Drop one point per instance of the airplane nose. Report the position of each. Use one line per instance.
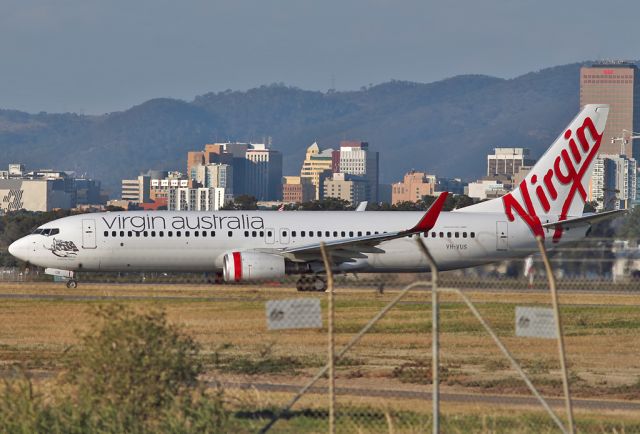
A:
(16, 248)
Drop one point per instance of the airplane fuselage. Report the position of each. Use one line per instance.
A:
(197, 241)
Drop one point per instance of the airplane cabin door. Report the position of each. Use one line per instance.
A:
(502, 236)
(284, 236)
(88, 234)
(270, 237)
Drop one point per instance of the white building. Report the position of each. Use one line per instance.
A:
(485, 189)
(198, 199)
(613, 183)
(356, 159)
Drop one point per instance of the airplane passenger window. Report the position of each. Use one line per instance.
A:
(178, 234)
(319, 233)
(351, 233)
(261, 234)
(187, 233)
(129, 234)
(359, 233)
(121, 233)
(114, 233)
(269, 233)
(170, 233)
(230, 233)
(137, 234)
(204, 233)
(441, 234)
(335, 233)
(448, 234)
(464, 235)
(254, 234)
(433, 234)
(246, 234)
(145, 233)
(106, 233)
(376, 232)
(327, 233)
(284, 233)
(161, 234)
(293, 233)
(343, 234)
(213, 233)
(368, 232)
(302, 233)
(153, 233)
(472, 234)
(457, 234)
(196, 234)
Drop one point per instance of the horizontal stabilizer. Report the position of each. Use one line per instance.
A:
(587, 219)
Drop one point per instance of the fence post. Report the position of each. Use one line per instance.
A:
(561, 350)
(435, 336)
(331, 313)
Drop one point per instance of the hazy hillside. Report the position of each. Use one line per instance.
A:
(446, 127)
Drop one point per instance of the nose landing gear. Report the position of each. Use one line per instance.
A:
(311, 283)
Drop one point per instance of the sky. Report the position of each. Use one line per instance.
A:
(97, 56)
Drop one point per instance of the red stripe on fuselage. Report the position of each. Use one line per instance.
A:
(237, 266)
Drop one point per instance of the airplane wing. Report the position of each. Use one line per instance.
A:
(347, 249)
(584, 220)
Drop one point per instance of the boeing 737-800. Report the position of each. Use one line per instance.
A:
(253, 245)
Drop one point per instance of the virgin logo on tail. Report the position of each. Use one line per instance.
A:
(569, 168)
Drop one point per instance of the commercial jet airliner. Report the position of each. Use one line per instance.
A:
(254, 245)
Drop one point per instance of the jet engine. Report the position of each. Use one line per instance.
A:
(247, 266)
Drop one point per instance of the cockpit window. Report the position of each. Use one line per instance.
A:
(47, 232)
(37, 231)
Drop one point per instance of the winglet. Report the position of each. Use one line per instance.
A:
(429, 219)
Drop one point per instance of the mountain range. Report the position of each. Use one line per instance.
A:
(445, 127)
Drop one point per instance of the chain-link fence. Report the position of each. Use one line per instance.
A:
(263, 344)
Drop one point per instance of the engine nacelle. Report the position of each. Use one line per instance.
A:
(246, 266)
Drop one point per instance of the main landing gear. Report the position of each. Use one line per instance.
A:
(311, 283)
(72, 283)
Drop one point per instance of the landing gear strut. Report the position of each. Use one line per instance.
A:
(311, 283)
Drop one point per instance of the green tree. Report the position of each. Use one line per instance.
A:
(242, 202)
(326, 204)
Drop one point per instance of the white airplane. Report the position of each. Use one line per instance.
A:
(255, 245)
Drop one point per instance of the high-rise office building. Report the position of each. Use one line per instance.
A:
(352, 188)
(263, 173)
(613, 183)
(508, 161)
(616, 84)
(357, 159)
(316, 163)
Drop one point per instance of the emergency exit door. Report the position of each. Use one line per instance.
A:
(502, 236)
(88, 234)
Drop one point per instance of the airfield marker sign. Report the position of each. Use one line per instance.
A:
(535, 322)
(296, 313)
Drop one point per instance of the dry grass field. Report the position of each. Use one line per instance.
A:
(40, 321)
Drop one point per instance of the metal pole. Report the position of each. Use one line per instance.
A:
(561, 350)
(344, 350)
(331, 313)
(435, 336)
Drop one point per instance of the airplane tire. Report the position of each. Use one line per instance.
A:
(319, 284)
(301, 284)
(72, 284)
